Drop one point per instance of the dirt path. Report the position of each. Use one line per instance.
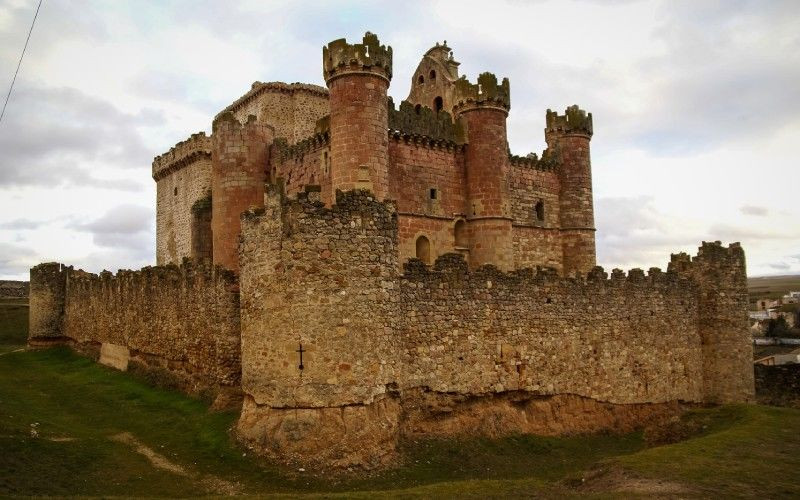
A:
(213, 483)
(618, 480)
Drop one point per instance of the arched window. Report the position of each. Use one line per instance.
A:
(438, 104)
(460, 233)
(540, 211)
(418, 108)
(424, 249)
(420, 80)
(433, 75)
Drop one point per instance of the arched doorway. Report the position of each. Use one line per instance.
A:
(424, 249)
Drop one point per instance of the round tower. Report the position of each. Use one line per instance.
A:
(358, 77)
(569, 136)
(238, 171)
(483, 109)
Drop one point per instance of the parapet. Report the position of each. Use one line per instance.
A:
(283, 151)
(340, 57)
(486, 93)
(573, 121)
(197, 146)
(452, 267)
(423, 121)
(227, 119)
(548, 162)
(260, 88)
(709, 254)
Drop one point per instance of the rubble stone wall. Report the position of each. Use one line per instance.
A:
(183, 176)
(446, 350)
(184, 320)
(292, 109)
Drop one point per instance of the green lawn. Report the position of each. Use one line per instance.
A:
(79, 409)
(13, 323)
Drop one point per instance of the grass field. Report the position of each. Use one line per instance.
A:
(13, 323)
(69, 426)
(771, 287)
(102, 432)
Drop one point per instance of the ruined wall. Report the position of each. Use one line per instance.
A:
(434, 77)
(183, 176)
(181, 319)
(291, 109)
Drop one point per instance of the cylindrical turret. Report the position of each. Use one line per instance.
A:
(569, 137)
(238, 172)
(358, 77)
(483, 108)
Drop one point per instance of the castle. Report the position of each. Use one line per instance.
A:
(352, 272)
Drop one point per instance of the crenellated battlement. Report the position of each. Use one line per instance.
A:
(547, 163)
(452, 266)
(283, 151)
(710, 254)
(410, 120)
(486, 93)
(340, 57)
(424, 141)
(187, 272)
(573, 121)
(197, 146)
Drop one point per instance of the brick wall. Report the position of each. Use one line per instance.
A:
(359, 142)
(239, 169)
(417, 166)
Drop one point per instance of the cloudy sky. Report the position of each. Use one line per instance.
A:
(696, 109)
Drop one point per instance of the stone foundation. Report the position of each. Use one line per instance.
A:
(368, 436)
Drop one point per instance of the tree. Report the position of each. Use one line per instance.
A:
(777, 327)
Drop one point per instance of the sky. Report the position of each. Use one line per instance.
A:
(696, 108)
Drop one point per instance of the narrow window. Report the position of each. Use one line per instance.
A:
(418, 108)
(540, 211)
(420, 80)
(433, 75)
(438, 104)
(434, 193)
(424, 249)
(175, 192)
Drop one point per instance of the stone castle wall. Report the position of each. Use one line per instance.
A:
(292, 109)
(303, 164)
(14, 289)
(183, 176)
(181, 319)
(451, 351)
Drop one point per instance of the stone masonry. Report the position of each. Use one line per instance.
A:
(355, 272)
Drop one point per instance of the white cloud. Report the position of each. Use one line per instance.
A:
(696, 108)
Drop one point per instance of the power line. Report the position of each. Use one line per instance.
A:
(11, 87)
